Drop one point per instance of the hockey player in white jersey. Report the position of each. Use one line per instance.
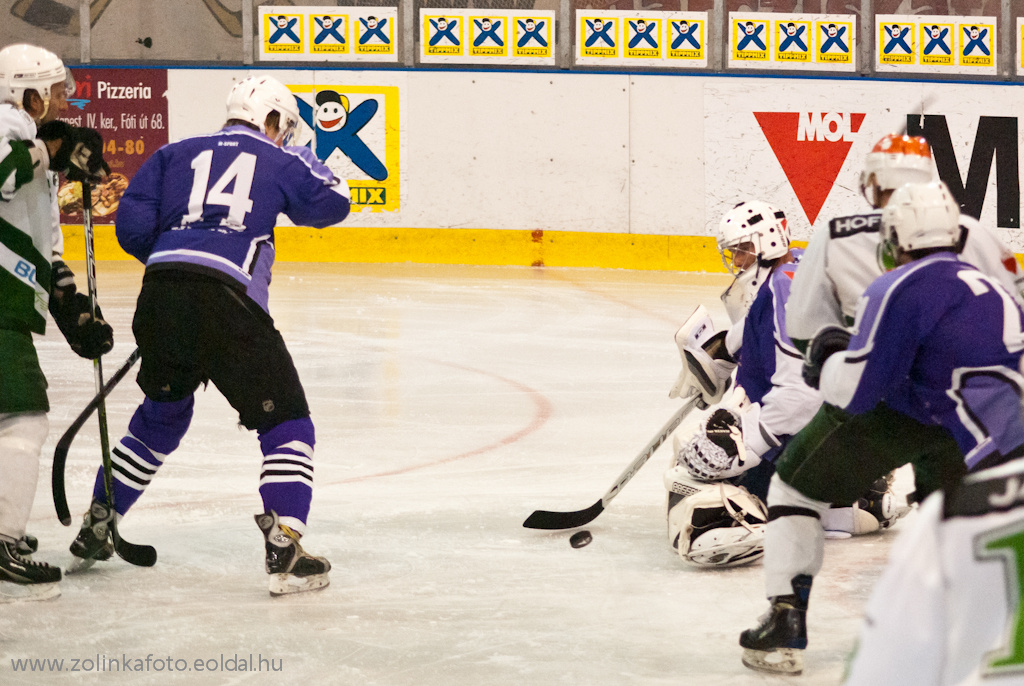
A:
(947, 609)
(34, 146)
(841, 259)
(909, 387)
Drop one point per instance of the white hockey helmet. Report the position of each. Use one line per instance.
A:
(255, 97)
(713, 524)
(28, 67)
(755, 228)
(894, 161)
(920, 216)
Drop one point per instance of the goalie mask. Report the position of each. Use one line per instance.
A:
(894, 161)
(255, 97)
(748, 235)
(28, 67)
(714, 525)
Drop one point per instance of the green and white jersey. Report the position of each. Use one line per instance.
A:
(947, 610)
(30, 234)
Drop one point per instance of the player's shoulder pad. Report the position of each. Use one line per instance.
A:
(840, 227)
(1003, 490)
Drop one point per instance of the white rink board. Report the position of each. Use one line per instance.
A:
(630, 154)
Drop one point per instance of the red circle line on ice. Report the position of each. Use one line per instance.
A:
(542, 412)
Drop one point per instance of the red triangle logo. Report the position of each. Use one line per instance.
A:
(811, 147)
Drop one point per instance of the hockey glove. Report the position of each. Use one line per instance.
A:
(80, 155)
(88, 336)
(828, 341)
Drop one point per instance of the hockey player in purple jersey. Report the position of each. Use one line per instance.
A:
(935, 358)
(200, 214)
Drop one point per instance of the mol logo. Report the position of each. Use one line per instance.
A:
(811, 148)
(828, 126)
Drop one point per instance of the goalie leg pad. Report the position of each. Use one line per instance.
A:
(713, 525)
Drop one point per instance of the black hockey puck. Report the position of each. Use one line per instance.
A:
(580, 539)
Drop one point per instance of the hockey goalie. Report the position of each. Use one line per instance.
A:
(756, 402)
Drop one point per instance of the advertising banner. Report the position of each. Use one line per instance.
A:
(648, 39)
(330, 34)
(129, 109)
(482, 36)
(936, 44)
(818, 42)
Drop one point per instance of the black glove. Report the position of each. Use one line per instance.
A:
(830, 340)
(80, 155)
(88, 336)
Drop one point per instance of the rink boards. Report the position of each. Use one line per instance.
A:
(603, 169)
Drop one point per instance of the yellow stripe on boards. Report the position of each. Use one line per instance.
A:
(461, 246)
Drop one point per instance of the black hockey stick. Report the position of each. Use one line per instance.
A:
(542, 519)
(60, 454)
(140, 555)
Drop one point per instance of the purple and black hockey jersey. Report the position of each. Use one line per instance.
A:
(941, 342)
(210, 204)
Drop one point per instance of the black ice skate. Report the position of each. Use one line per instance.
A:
(291, 569)
(777, 644)
(22, 579)
(93, 542)
(27, 545)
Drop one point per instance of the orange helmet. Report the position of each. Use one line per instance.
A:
(894, 161)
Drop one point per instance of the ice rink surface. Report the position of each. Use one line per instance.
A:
(449, 403)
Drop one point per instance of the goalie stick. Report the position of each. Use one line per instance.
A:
(543, 519)
(60, 454)
(140, 555)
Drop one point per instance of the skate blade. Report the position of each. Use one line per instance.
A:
(79, 564)
(24, 593)
(779, 661)
(287, 584)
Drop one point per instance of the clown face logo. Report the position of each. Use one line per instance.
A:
(531, 25)
(331, 112)
(328, 23)
(486, 24)
(975, 33)
(934, 32)
(598, 24)
(894, 31)
(371, 22)
(282, 22)
(442, 24)
(790, 29)
(832, 31)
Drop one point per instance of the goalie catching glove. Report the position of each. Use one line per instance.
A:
(707, 364)
(88, 336)
(731, 440)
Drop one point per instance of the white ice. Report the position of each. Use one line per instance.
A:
(449, 403)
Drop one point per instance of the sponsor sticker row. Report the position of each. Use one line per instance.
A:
(825, 42)
(940, 44)
(344, 34)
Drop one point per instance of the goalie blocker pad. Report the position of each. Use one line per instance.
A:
(707, 365)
